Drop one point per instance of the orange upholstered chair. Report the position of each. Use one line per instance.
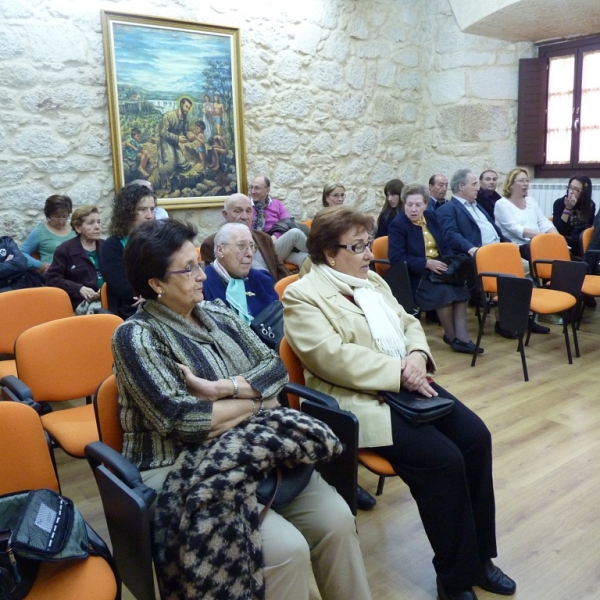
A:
(372, 461)
(106, 409)
(22, 309)
(283, 283)
(380, 254)
(63, 360)
(104, 296)
(20, 470)
(504, 259)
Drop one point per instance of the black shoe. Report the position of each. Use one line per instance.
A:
(465, 347)
(445, 594)
(496, 581)
(511, 335)
(537, 328)
(364, 500)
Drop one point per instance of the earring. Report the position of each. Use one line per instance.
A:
(160, 295)
(333, 263)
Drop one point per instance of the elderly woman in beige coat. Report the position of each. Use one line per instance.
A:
(354, 340)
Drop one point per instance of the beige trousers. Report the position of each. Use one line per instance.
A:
(315, 532)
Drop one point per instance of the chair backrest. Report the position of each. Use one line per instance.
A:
(568, 276)
(586, 238)
(22, 309)
(25, 459)
(380, 252)
(294, 368)
(501, 258)
(104, 296)
(65, 359)
(514, 300)
(283, 283)
(398, 279)
(308, 222)
(549, 246)
(106, 408)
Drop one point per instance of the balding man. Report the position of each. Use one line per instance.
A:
(487, 194)
(291, 245)
(238, 209)
(438, 186)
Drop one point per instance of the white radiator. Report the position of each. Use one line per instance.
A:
(547, 193)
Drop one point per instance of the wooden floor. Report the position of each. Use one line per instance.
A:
(546, 437)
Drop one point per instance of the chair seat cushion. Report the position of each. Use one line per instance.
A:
(547, 302)
(73, 428)
(591, 287)
(375, 463)
(91, 579)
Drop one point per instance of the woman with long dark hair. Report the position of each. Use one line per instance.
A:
(392, 206)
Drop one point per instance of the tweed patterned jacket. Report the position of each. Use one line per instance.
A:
(160, 418)
(207, 541)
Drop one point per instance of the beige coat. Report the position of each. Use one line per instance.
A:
(331, 336)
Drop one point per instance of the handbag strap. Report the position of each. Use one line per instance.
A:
(263, 512)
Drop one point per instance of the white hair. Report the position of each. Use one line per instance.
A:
(227, 232)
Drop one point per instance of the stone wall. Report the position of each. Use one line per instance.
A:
(359, 91)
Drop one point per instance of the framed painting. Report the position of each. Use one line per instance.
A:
(175, 108)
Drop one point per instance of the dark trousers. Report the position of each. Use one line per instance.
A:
(448, 468)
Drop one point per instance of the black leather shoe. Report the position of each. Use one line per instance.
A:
(364, 500)
(465, 347)
(511, 335)
(496, 581)
(445, 594)
(537, 328)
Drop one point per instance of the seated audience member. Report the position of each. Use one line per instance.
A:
(575, 211)
(593, 258)
(334, 194)
(487, 194)
(14, 273)
(46, 237)
(354, 339)
(159, 212)
(291, 245)
(518, 215)
(416, 238)
(132, 206)
(438, 186)
(76, 264)
(391, 207)
(198, 391)
(238, 209)
(231, 277)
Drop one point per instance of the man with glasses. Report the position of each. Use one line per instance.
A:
(291, 245)
(232, 279)
(238, 209)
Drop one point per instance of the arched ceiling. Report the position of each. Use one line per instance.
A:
(528, 20)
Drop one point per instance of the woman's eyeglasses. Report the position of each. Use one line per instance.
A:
(357, 248)
(575, 190)
(191, 271)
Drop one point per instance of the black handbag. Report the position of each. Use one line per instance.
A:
(268, 324)
(282, 485)
(456, 273)
(417, 410)
(36, 526)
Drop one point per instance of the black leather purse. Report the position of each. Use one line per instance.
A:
(417, 410)
(456, 274)
(268, 324)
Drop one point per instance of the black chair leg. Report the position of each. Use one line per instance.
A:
(380, 485)
(567, 342)
(573, 318)
(521, 349)
(479, 334)
(529, 326)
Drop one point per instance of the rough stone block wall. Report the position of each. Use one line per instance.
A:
(357, 91)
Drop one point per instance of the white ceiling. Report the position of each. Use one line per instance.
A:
(528, 20)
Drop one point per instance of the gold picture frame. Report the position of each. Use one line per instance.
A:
(175, 106)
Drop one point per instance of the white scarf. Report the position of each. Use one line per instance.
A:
(383, 322)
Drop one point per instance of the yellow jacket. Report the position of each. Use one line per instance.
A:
(331, 336)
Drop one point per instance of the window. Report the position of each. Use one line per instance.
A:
(559, 109)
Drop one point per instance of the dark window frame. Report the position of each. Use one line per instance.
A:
(532, 109)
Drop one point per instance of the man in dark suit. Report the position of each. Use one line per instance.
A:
(238, 209)
(487, 196)
(438, 187)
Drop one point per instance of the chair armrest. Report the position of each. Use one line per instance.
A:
(14, 390)
(102, 311)
(381, 261)
(98, 453)
(494, 274)
(310, 394)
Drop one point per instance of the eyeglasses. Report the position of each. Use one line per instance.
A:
(574, 189)
(146, 209)
(338, 195)
(191, 271)
(521, 181)
(256, 188)
(242, 246)
(357, 248)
